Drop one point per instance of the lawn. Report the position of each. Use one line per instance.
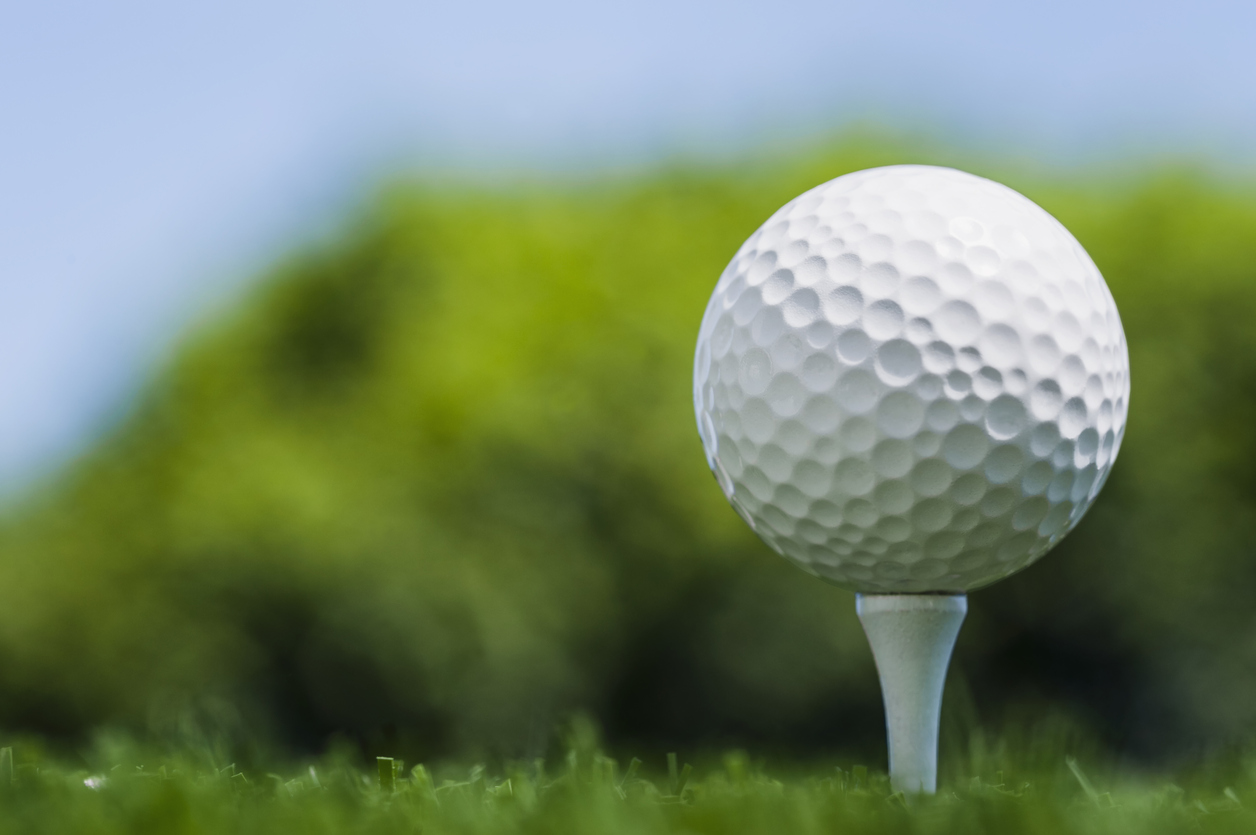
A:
(587, 792)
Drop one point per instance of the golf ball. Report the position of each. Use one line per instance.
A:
(911, 379)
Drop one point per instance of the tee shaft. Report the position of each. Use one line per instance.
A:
(912, 636)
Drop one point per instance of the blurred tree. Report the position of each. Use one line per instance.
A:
(439, 480)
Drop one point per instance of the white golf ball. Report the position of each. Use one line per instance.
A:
(911, 379)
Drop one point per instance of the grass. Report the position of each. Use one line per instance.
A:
(591, 794)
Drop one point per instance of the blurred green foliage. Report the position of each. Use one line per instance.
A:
(436, 484)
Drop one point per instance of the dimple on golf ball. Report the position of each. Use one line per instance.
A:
(911, 379)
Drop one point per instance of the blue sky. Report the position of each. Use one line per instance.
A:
(154, 155)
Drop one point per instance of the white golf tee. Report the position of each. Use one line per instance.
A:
(912, 636)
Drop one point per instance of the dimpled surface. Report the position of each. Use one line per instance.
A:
(911, 379)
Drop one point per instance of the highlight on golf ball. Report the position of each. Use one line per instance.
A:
(911, 379)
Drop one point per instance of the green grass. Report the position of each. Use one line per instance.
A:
(589, 793)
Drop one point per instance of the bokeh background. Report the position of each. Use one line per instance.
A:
(345, 358)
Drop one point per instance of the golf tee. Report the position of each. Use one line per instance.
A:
(912, 636)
